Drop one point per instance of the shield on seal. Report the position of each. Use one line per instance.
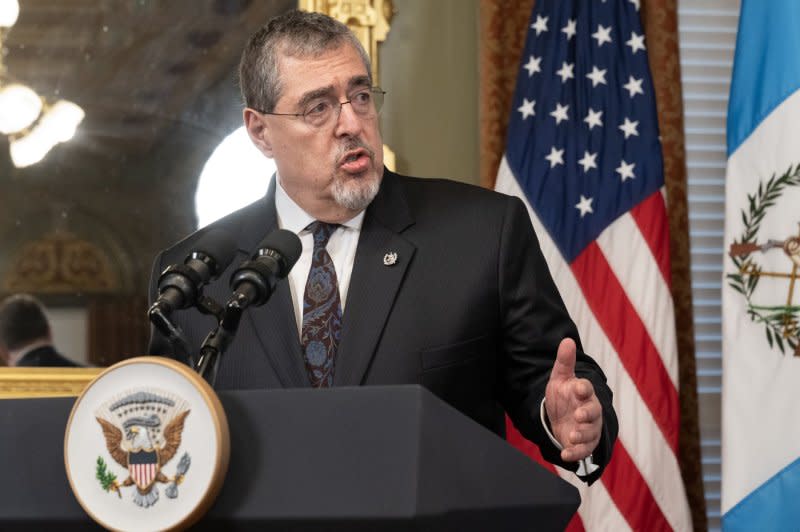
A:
(143, 467)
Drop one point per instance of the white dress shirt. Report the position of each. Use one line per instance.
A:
(341, 247)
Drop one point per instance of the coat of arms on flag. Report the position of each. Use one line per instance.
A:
(772, 306)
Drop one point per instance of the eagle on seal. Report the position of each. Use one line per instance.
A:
(137, 443)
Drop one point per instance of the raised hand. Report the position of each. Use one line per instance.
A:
(575, 414)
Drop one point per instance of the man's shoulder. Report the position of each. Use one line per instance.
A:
(449, 191)
(45, 356)
(453, 199)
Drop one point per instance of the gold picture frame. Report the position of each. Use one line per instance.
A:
(26, 383)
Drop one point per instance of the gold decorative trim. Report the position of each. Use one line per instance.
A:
(369, 20)
(389, 160)
(61, 263)
(24, 383)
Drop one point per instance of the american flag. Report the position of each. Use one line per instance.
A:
(583, 152)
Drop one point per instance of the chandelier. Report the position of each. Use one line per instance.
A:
(33, 125)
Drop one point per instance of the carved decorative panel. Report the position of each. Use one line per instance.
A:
(60, 263)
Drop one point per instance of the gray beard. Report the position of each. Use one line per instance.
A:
(355, 195)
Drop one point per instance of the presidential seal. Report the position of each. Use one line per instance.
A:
(147, 446)
(143, 431)
(773, 259)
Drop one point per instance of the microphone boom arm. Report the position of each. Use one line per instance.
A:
(174, 334)
(218, 340)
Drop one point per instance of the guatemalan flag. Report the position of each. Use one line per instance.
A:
(583, 152)
(761, 288)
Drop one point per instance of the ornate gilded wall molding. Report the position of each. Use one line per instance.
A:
(368, 19)
(44, 382)
(60, 263)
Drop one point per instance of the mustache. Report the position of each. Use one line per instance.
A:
(353, 144)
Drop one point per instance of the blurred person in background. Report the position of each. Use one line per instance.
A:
(25, 336)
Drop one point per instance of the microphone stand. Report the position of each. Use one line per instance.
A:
(158, 317)
(218, 340)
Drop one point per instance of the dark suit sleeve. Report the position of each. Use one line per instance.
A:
(534, 321)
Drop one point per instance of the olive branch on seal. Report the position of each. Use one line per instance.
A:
(108, 480)
(749, 273)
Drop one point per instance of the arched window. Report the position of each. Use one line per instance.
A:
(235, 175)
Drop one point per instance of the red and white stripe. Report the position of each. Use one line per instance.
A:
(618, 292)
(143, 474)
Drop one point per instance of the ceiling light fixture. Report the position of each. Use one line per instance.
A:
(33, 125)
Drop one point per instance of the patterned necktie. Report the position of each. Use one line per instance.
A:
(322, 310)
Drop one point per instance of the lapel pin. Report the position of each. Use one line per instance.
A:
(390, 259)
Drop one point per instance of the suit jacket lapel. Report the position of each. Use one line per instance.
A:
(273, 324)
(276, 330)
(374, 284)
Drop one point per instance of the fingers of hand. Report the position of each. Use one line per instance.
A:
(567, 411)
(564, 366)
(584, 435)
(577, 452)
(582, 389)
(588, 411)
(581, 441)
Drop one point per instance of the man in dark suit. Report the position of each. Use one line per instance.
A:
(25, 337)
(401, 280)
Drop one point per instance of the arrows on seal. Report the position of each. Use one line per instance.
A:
(180, 472)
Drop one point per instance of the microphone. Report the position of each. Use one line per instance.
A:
(254, 281)
(179, 285)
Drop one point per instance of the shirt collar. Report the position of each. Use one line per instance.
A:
(15, 356)
(293, 218)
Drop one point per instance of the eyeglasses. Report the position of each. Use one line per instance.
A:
(321, 112)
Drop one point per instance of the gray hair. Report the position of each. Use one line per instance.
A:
(294, 34)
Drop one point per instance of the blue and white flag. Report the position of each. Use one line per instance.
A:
(761, 288)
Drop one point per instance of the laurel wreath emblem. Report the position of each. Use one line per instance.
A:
(780, 322)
